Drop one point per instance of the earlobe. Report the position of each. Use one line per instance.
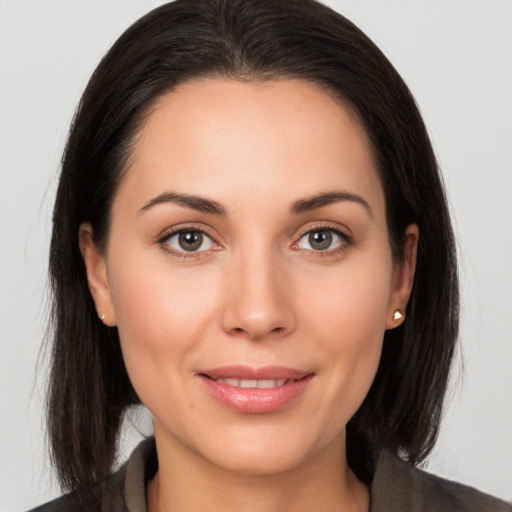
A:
(97, 278)
(403, 279)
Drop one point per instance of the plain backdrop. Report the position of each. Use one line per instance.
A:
(456, 56)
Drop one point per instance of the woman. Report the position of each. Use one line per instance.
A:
(251, 238)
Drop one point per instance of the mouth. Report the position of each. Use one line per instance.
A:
(250, 390)
(254, 384)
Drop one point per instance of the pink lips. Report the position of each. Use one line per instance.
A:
(251, 390)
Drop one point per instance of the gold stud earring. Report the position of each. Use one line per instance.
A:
(398, 315)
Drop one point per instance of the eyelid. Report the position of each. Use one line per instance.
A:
(344, 231)
(328, 226)
(186, 227)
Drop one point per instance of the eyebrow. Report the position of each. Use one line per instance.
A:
(200, 204)
(204, 205)
(327, 198)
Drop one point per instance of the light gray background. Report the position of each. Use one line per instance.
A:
(456, 56)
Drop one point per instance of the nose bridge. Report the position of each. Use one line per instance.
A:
(258, 295)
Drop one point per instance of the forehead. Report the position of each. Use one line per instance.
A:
(227, 138)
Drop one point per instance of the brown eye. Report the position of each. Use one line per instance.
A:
(322, 240)
(189, 241)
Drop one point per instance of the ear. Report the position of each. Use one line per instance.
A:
(403, 278)
(97, 278)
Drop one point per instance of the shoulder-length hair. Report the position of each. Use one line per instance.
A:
(89, 388)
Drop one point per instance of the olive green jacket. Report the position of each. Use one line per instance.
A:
(397, 487)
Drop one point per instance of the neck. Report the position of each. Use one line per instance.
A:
(185, 481)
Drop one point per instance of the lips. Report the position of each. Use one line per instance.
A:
(251, 390)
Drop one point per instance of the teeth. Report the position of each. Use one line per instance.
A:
(253, 384)
(248, 383)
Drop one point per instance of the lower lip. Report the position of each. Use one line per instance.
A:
(254, 401)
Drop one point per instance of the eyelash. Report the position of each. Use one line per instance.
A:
(163, 242)
(184, 255)
(347, 241)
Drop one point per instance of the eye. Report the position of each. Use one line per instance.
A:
(321, 240)
(189, 240)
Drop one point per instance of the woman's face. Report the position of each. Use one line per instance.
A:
(249, 271)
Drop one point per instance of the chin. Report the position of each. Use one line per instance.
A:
(263, 452)
(264, 462)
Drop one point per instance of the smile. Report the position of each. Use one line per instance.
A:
(255, 391)
(254, 384)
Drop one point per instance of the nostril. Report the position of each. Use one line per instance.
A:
(254, 334)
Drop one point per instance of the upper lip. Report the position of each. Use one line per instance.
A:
(249, 373)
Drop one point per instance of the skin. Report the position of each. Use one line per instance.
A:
(257, 292)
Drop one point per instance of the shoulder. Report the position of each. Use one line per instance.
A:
(122, 491)
(108, 495)
(103, 496)
(74, 502)
(398, 486)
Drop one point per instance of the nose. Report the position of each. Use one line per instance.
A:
(258, 303)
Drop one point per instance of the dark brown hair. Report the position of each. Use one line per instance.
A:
(247, 40)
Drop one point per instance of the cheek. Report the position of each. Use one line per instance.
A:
(162, 315)
(351, 303)
(348, 317)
